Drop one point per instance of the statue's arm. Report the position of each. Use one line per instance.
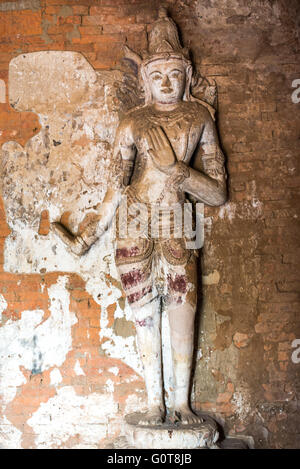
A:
(207, 177)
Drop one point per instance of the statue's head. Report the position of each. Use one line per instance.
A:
(166, 80)
(165, 68)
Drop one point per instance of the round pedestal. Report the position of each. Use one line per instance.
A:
(168, 436)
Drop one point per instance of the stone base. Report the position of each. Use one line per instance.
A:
(170, 436)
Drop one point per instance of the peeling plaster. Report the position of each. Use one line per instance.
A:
(35, 344)
(134, 403)
(10, 436)
(3, 306)
(249, 210)
(211, 279)
(241, 403)
(114, 370)
(77, 108)
(78, 370)
(109, 386)
(55, 377)
(68, 415)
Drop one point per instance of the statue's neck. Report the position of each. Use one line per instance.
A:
(166, 107)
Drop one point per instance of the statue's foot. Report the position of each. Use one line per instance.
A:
(154, 416)
(185, 416)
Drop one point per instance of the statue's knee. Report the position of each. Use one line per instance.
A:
(182, 318)
(147, 315)
(147, 322)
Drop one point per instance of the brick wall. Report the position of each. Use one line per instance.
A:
(250, 263)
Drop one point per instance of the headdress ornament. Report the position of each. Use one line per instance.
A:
(163, 42)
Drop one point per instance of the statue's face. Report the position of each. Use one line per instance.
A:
(167, 80)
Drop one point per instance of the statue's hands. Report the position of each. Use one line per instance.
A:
(76, 244)
(160, 149)
(89, 230)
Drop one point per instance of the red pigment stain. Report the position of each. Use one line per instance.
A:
(131, 278)
(178, 284)
(127, 252)
(139, 294)
(147, 322)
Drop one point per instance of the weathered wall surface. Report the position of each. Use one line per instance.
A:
(69, 366)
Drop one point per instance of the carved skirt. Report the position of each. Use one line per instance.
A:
(151, 268)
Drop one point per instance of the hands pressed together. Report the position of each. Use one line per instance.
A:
(160, 149)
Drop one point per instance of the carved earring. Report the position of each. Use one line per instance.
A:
(188, 77)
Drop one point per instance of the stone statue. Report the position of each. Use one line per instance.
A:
(165, 150)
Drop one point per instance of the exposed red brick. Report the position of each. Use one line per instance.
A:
(44, 223)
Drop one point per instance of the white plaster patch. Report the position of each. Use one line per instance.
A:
(68, 415)
(257, 204)
(135, 403)
(211, 279)
(114, 370)
(208, 224)
(35, 344)
(105, 293)
(78, 370)
(10, 436)
(16, 350)
(241, 404)
(3, 306)
(55, 377)
(248, 210)
(109, 386)
(131, 379)
(228, 211)
(50, 253)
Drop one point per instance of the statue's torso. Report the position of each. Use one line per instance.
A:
(183, 128)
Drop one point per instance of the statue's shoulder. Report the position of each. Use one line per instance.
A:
(197, 110)
(136, 112)
(132, 116)
(201, 110)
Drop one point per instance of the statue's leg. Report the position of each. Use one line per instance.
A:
(134, 263)
(180, 304)
(181, 319)
(148, 330)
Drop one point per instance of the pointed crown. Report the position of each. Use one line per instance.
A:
(164, 40)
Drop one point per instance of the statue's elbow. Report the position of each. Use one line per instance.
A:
(220, 197)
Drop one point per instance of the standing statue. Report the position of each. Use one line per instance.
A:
(164, 151)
